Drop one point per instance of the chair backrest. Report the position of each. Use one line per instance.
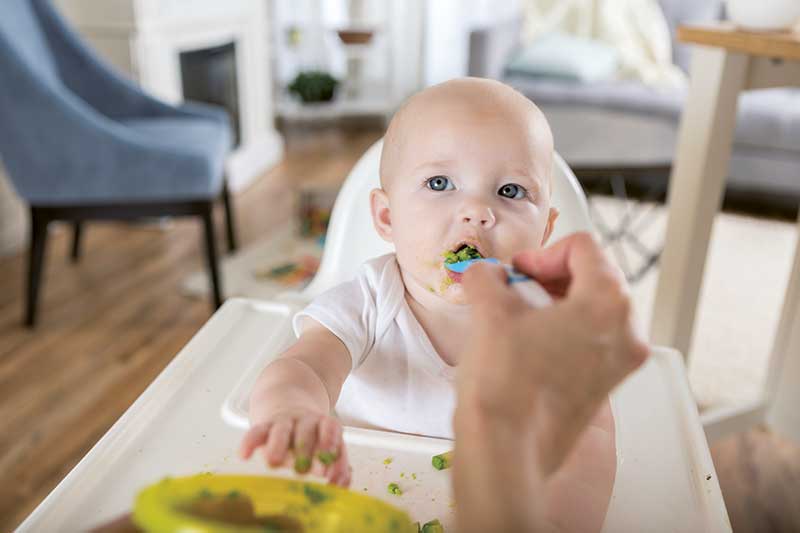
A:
(352, 238)
(21, 33)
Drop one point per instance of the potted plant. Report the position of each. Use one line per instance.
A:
(313, 86)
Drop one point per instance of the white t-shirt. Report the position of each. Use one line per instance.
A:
(398, 381)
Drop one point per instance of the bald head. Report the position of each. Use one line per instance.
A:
(455, 108)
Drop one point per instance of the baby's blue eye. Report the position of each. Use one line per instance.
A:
(513, 191)
(439, 183)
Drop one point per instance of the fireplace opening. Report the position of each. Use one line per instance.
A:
(209, 75)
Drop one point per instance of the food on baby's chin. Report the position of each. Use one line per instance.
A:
(446, 282)
(464, 253)
(395, 489)
(442, 461)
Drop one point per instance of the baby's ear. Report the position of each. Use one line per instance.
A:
(551, 222)
(381, 214)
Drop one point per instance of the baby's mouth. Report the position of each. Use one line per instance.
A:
(462, 252)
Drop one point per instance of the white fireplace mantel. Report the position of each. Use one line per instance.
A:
(144, 39)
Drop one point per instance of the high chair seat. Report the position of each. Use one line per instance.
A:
(665, 478)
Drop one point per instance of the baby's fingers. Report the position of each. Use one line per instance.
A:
(330, 435)
(280, 436)
(255, 437)
(304, 442)
(332, 452)
(339, 472)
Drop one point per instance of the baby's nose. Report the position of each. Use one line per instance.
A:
(479, 216)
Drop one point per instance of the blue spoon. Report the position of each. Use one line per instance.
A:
(462, 266)
(514, 276)
(533, 293)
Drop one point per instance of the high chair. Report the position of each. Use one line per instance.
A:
(665, 479)
(665, 475)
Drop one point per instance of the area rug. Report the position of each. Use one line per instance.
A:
(747, 270)
(746, 274)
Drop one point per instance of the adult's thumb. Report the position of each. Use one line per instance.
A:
(486, 284)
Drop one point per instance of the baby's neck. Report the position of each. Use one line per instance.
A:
(445, 323)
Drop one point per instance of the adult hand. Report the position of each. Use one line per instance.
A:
(533, 378)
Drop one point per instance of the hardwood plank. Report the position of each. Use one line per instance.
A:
(90, 354)
(759, 473)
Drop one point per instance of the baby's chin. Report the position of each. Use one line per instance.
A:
(456, 296)
(452, 292)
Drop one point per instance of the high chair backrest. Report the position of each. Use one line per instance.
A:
(352, 238)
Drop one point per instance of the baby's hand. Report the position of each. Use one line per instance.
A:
(314, 439)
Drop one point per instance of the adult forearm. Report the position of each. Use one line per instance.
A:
(496, 477)
(287, 383)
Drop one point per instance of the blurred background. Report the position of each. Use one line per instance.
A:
(300, 89)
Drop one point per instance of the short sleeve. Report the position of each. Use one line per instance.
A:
(349, 311)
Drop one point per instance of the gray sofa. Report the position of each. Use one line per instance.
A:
(627, 126)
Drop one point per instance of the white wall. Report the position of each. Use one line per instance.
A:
(448, 24)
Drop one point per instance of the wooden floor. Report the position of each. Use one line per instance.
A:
(110, 324)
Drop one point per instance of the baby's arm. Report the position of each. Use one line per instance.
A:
(291, 403)
(579, 493)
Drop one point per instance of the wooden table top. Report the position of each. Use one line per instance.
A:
(784, 44)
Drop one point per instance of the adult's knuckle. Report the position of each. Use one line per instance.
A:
(639, 353)
(585, 239)
(614, 297)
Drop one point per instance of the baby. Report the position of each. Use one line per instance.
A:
(464, 163)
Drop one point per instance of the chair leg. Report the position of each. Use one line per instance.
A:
(76, 241)
(36, 261)
(211, 254)
(229, 224)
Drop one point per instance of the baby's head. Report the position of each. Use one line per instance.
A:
(468, 161)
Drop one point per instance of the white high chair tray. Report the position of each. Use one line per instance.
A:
(675, 473)
(174, 429)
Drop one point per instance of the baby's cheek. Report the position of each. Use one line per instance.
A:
(422, 266)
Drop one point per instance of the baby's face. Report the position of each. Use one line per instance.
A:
(464, 175)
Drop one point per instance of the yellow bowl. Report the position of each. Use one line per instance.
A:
(209, 503)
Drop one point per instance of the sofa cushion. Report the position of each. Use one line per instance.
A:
(626, 96)
(594, 137)
(768, 118)
(566, 57)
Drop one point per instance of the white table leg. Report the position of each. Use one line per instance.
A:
(695, 190)
(782, 389)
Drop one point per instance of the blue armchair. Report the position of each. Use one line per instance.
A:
(82, 143)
